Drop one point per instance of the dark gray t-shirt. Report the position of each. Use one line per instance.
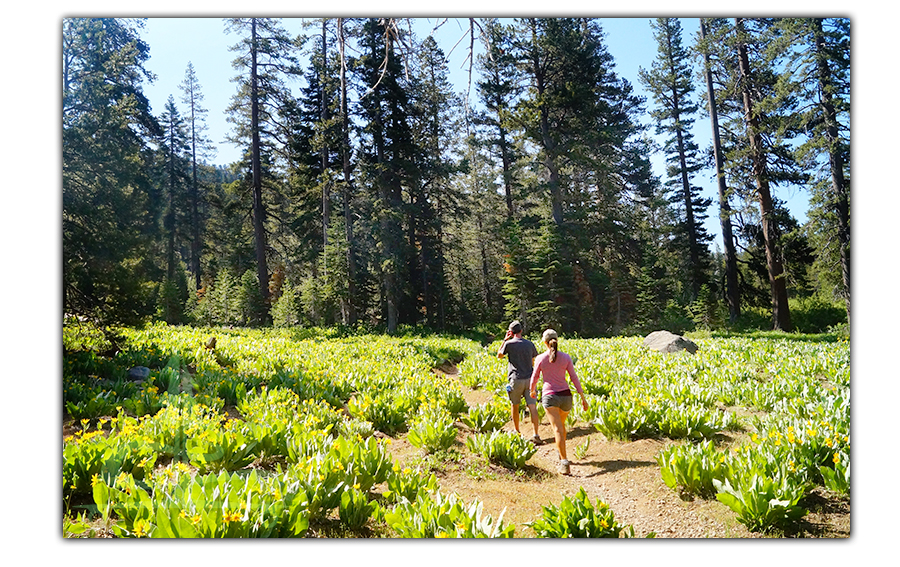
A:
(521, 353)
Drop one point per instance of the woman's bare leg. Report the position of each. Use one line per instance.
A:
(558, 421)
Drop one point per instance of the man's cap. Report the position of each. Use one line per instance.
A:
(515, 327)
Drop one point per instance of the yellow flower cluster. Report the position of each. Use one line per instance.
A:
(231, 517)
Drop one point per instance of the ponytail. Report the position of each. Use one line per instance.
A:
(553, 344)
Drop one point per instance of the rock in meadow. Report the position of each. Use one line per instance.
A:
(664, 341)
(138, 373)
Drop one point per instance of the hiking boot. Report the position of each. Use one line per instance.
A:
(537, 440)
(564, 467)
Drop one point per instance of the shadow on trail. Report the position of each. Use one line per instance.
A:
(578, 431)
(616, 465)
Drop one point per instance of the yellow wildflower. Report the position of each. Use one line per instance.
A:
(139, 528)
(232, 517)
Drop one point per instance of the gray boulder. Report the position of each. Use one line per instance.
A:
(138, 373)
(664, 341)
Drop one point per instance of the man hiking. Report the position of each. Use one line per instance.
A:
(521, 353)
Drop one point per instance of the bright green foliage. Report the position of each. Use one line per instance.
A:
(763, 503)
(483, 370)
(168, 431)
(620, 421)
(364, 462)
(229, 449)
(355, 508)
(211, 506)
(506, 448)
(91, 455)
(452, 400)
(690, 469)
(406, 484)
(837, 478)
(432, 429)
(486, 417)
(295, 389)
(380, 410)
(578, 517)
(439, 516)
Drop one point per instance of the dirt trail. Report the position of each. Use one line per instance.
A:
(625, 475)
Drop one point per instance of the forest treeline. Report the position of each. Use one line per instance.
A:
(371, 194)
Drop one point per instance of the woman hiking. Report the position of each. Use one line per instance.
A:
(556, 396)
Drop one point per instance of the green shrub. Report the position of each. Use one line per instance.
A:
(439, 516)
(578, 518)
(432, 429)
(486, 417)
(506, 448)
(690, 469)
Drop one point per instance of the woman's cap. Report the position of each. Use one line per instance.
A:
(515, 327)
(550, 334)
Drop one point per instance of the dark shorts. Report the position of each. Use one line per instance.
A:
(561, 401)
(516, 389)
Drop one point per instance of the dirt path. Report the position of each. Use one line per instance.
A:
(625, 475)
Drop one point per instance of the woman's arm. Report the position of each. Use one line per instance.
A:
(535, 374)
(570, 368)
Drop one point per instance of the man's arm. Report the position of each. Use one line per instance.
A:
(500, 351)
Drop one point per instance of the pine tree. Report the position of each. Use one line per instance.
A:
(499, 91)
(758, 150)
(817, 71)
(265, 55)
(669, 81)
(387, 155)
(110, 206)
(580, 116)
(192, 96)
(731, 288)
(433, 199)
(172, 148)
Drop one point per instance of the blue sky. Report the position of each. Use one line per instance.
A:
(203, 41)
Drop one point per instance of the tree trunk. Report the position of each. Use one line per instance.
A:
(835, 159)
(732, 292)
(693, 247)
(348, 310)
(326, 196)
(262, 270)
(389, 207)
(195, 198)
(780, 311)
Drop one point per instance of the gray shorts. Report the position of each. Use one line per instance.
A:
(563, 402)
(517, 388)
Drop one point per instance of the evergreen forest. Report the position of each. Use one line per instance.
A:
(373, 194)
